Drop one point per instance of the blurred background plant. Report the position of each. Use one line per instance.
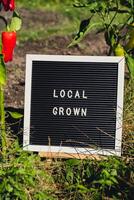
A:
(119, 35)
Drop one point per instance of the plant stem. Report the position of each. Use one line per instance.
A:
(110, 51)
(2, 119)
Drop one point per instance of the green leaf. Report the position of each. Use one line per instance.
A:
(114, 172)
(130, 63)
(91, 5)
(114, 180)
(16, 22)
(85, 27)
(0, 47)
(69, 176)
(108, 182)
(9, 188)
(105, 173)
(73, 162)
(2, 71)
(82, 188)
(2, 172)
(20, 171)
(15, 115)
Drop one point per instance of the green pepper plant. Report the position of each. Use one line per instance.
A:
(119, 34)
(7, 45)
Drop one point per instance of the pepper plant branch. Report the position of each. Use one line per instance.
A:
(114, 9)
(114, 14)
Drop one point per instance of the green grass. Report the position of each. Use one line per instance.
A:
(62, 6)
(34, 34)
(68, 25)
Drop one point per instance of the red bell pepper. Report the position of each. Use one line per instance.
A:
(8, 4)
(8, 45)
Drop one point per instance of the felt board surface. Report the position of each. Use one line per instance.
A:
(93, 88)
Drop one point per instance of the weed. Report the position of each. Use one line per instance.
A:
(91, 179)
(23, 177)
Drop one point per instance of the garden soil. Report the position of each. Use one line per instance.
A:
(93, 44)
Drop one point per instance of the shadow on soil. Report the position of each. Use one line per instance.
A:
(16, 125)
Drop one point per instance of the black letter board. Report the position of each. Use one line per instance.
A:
(74, 104)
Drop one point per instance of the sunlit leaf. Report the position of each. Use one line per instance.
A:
(73, 162)
(91, 5)
(15, 115)
(16, 22)
(2, 71)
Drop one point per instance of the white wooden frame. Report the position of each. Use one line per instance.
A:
(70, 150)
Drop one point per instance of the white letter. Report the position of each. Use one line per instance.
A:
(69, 94)
(83, 94)
(84, 112)
(61, 111)
(54, 94)
(68, 111)
(76, 111)
(55, 111)
(77, 95)
(62, 93)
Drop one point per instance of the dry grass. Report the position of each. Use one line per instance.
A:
(128, 122)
